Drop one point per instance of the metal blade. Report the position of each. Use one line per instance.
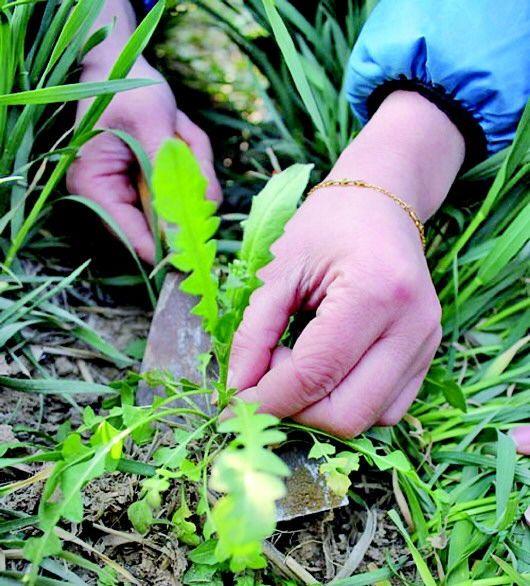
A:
(175, 340)
(307, 491)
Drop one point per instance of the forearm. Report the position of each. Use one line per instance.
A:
(122, 14)
(409, 147)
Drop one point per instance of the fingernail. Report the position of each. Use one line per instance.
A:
(521, 437)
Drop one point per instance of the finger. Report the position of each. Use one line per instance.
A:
(263, 324)
(521, 437)
(102, 178)
(359, 400)
(280, 354)
(135, 227)
(153, 136)
(328, 348)
(399, 403)
(200, 144)
(393, 414)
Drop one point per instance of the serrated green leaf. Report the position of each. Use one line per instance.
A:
(250, 476)
(179, 189)
(395, 459)
(320, 450)
(337, 470)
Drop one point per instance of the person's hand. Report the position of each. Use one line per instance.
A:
(355, 257)
(521, 437)
(103, 171)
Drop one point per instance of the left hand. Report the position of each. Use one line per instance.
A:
(102, 173)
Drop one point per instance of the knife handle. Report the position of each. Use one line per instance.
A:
(146, 201)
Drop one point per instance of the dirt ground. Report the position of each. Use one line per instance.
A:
(320, 543)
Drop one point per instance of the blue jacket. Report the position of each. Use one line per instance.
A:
(470, 57)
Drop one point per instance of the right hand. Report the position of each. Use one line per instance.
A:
(355, 258)
(103, 171)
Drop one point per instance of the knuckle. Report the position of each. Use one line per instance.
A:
(402, 283)
(433, 315)
(316, 378)
(398, 284)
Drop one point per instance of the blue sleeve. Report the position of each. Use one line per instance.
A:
(470, 57)
(144, 5)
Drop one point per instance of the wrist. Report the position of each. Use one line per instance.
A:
(120, 15)
(409, 147)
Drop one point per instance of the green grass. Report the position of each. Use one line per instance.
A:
(42, 44)
(463, 489)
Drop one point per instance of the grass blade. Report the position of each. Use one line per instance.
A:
(73, 92)
(423, 570)
(54, 387)
(296, 68)
(506, 458)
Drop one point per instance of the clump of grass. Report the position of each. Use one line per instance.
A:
(42, 45)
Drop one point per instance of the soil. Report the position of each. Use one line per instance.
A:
(320, 543)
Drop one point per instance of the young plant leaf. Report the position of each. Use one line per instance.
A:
(141, 516)
(250, 477)
(439, 379)
(337, 471)
(179, 196)
(271, 210)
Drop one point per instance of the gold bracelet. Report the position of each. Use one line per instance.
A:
(360, 183)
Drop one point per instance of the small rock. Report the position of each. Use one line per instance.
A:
(63, 366)
(6, 434)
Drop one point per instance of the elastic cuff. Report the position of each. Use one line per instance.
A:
(474, 137)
